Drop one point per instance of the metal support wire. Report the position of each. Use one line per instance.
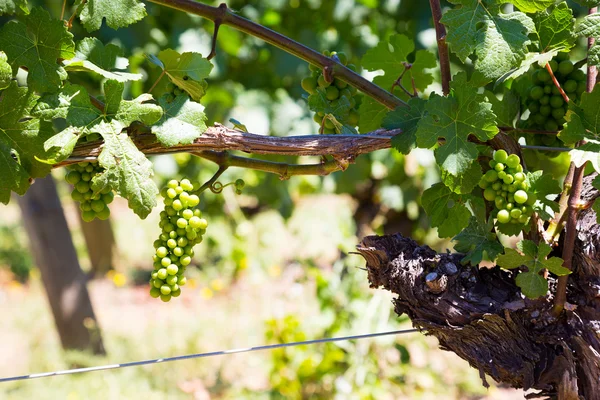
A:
(202, 355)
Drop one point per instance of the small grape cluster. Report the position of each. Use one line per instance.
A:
(544, 101)
(507, 187)
(333, 91)
(92, 204)
(182, 228)
(172, 91)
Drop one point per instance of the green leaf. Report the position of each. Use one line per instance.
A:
(10, 7)
(534, 258)
(499, 40)
(182, 122)
(37, 44)
(446, 210)
(531, 6)
(463, 183)
(454, 118)
(545, 188)
(73, 104)
(21, 141)
(506, 109)
(118, 13)
(5, 71)
(127, 170)
(590, 27)
(588, 152)
(92, 56)
(477, 240)
(405, 118)
(334, 111)
(583, 120)
(540, 59)
(555, 28)
(187, 70)
(392, 56)
(371, 114)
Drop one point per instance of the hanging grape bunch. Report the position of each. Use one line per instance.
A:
(333, 92)
(544, 101)
(92, 204)
(182, 228)
(505, 185)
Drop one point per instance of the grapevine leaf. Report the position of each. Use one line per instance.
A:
(463, 183)
(182, 122)
(392, 56)
(37, 44)
(128, 111)
(10, 7)
(334, 110)
(405, 118)
(5, 72)
(476, 239)
(588, 152)
(21, 141)
(533, 257)
(465, 112)
(73, 104)
(446, 210)
(590, 27)
(555, 28)
(545, 187)
(118, 13)
(507, 109)
(187, 70)
(583, 120)
(531, 6)
(127, 170)
(499, 40)
(540, 59)
(92, 56)
(372, 114)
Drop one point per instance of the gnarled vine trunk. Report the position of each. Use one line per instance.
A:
(480, 314)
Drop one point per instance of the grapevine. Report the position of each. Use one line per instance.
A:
(334, 93)
(182, 228)
(93, 204)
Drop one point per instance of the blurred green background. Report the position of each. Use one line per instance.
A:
(276, 264)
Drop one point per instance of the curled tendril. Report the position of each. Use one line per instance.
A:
(217, 187)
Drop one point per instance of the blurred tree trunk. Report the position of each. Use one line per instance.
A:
(65, 283)
(100, 243)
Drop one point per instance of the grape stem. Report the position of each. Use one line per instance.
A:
(398, 82)
(285, 171)
(156, 81)
(560, 89)
(224, 16)
(573, 204)
(444, 54)
(209, 184)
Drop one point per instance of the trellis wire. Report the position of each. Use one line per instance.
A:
(202, 355)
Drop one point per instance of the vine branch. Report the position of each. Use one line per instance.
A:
(224, 16)
(284, 170)
(444, 54)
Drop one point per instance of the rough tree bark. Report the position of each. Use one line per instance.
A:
(480, 315)
(65, 283)
(100, 243)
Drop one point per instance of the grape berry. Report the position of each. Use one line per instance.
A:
(333, 91)
(92, 204)
(182, 228)
(507, 187)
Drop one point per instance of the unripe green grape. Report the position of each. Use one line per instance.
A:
(548, 88)
(172, 269)
(533, 107)
(489, 194)
(187, 214)
(558, 113)
(538, 119)
(88, 216)
(520, 196)
(545, 100)
(340, 84)
(565, 67)
(309, 84)
(73, 177)
(536, 92)
(171, 280)
(332, 93)
(322, 82)
(171, 243)
(556, 101)
(328, 124)
(544, 76)
(185, 260)
(545, 110)
(508, 179)
(178, 251)
(165, 297)
(503, 216)
(85, 206)
(513, 161)
(502, 175)
(98, 205)
(551, 125)
(176, 293)
(491, 176)
(154, 292)
(570, 86)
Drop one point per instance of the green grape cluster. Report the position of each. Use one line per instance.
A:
(333, 91)
(172, 91)
(545, 103)
(507, 187)
(92, 204)
(182, 228)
